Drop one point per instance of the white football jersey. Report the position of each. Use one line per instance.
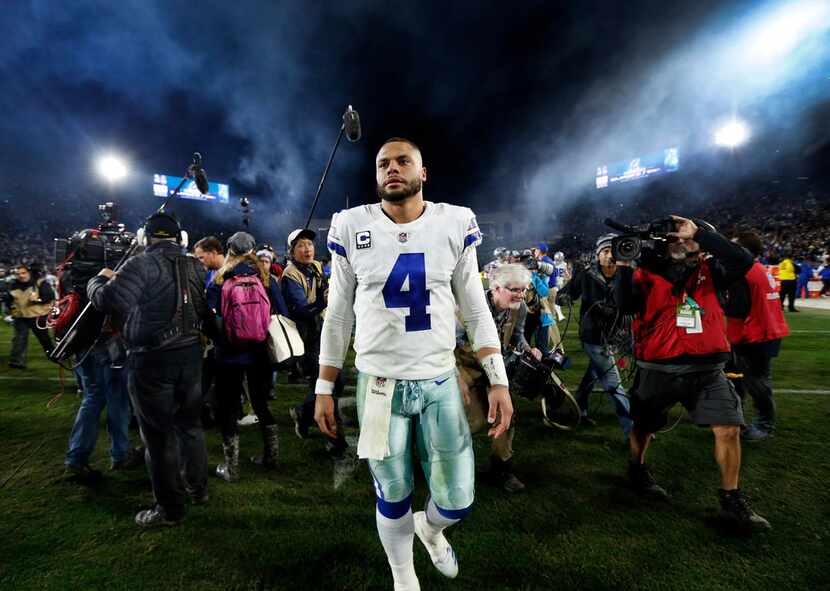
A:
(403, 277)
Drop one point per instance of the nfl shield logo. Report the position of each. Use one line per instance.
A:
(402, 237)
(380, 382)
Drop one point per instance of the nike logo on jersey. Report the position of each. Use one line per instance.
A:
(439, 382)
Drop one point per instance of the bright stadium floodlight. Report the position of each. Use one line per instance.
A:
(732, 135)
(782, 30)
(112, 168)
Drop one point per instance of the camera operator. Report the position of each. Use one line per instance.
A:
(755, 334)
(505, 298)
(30, 298)
(161, 297)
(681, 349)
(599, 319)
(306, 294)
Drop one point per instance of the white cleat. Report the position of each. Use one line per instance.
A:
(438, 547)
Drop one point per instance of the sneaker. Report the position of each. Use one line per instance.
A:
(198, 496)
(587, 421)
(133, 459)
(155, 517)
(511, 484)
(755, 433)
(83, 472)
(300, 429)
(16, 365)
(248, 420)
(735, 508)
(438, 547)
(644, 483)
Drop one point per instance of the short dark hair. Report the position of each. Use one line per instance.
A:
(752, 242)
(210, 244)
(402, 140)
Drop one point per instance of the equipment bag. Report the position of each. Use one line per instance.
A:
(284, 342)
(246, 310)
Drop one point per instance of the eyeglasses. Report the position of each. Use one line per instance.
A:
(516, 290)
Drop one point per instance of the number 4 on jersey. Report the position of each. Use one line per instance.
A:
(416, 298)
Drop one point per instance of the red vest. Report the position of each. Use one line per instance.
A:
(766, 319)
(656, 334)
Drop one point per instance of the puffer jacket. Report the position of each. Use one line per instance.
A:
(143, 293)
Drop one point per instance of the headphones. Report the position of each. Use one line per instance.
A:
(141, 234)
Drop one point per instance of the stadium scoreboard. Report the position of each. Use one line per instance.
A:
(655, 164)
(164, 184)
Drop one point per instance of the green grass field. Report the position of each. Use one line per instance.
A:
(576, 527)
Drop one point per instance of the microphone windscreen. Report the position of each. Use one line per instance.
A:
(351, 124)
(200, 178)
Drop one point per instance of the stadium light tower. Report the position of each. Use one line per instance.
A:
(111, 168)
(732, 135)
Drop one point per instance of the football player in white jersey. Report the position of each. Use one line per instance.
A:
(399, 268)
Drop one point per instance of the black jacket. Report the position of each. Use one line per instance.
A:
(143, 293)
(599, 314)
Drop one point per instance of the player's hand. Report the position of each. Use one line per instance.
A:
(324, 415)
(536, 353)
(34, 296)
(108, 273)
(686, 228)
(501, 411)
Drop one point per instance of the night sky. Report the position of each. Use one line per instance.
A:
(512, 102)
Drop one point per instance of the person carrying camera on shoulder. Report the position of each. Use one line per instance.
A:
(160, 295)
(508, 284)
(681, 349)
(599, 318)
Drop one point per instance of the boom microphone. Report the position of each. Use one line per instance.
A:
(198, 173)
(351, 125)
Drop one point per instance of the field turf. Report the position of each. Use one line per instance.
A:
(576, 527)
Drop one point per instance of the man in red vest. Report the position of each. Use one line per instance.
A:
(681, 349)
(756, 336)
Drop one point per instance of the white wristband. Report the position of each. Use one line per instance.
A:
(493, 366)
(324, 387)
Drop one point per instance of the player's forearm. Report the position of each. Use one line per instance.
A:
(325, 380)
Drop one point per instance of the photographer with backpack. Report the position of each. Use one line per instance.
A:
(242, 297)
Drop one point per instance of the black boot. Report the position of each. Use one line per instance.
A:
(735, 508)
(271, 448)
(644, 483)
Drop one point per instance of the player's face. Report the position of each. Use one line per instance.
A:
(399, 172)
(23, 274)
(304, 251)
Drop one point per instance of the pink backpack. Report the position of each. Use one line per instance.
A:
(246, 310)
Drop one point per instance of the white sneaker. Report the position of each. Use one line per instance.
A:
(438, 547)
(247, 420)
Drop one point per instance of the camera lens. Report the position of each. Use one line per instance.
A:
(627, 249)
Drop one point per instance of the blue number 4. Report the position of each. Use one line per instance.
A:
(409, 265)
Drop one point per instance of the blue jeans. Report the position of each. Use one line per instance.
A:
(102, 386)
(603, 368)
